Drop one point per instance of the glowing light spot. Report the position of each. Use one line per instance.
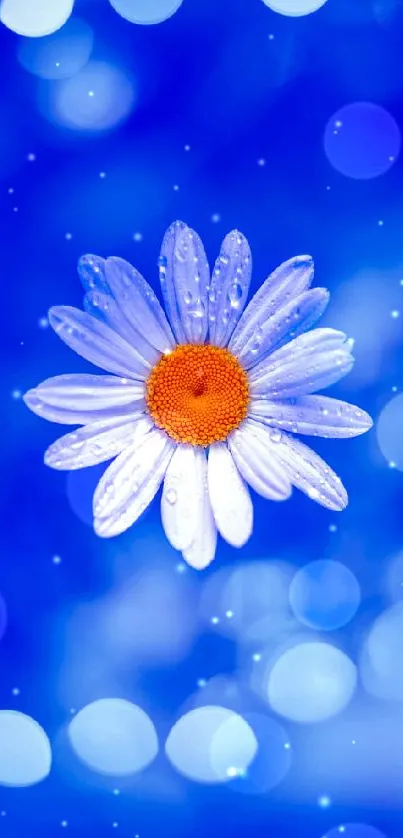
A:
(198, 394)
(61, 55)
(97, 98)
(311, 682)
(35, 18)
(25, 754)
(355, 830)
(324, 801)
(294, 8)
(211, 744)
(389, 431)
(153, 11)
(113, 736)
(324, 595)
(365, 142)
(216, 218)
(381, 661)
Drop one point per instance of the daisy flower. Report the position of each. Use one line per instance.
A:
(202, 399)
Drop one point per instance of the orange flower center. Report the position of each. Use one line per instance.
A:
(198, 394)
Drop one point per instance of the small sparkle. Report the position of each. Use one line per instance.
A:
(215, 620)
(332, 528)
(395, 314)
(115, 824)
(216, 217)
(90, 93)
(394, 389)
(72, 710)
(324, 801)
(271, 37)
(328, 188)
(15, 691)
(401, 282)
(257, 657)
(181, 567)
(261, 161)
(287, 746)
(187, 147)
(64, 823)
(232, 771)
(201, 682)
(56, 559)
(176, 187)
(353, 741)
(16, 394)
(43, 322)
(116, 792)
(137, 237)
(342, 829)
(31, 157)
(3, 814)
(15, 209)
(11, 192)
(229, 614)
(68, 236)
(380, 223)
(338, 123)
(392, 464)
(391, 158)
(57, 64)
(102, 175)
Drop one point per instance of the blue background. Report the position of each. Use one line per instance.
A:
(213, 79)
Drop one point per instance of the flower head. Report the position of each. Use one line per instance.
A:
(206, 399)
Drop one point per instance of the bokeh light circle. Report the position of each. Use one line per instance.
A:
(80, 488)
(25, 752)
(272, 760)
(211, 744)
(112, 736)
(58, 56)
(146, 11)
(362, 140)
(35, 18)
(324, 595)
(97, 98)
(389, 432)
(382, 662)
(311, 682)
(354, 830)
(3, 616)
(294, 8)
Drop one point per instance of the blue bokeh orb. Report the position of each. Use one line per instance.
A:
(324, 595)
(362, 140)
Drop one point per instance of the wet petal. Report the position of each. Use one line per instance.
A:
(229, 497)
(80, 399)
(289, 280)
(106, 309)
(91, 270)
(184, 276)
(288, 322)
(303, 366)
(256, 460)
(95, 443)
(130, 483)
(180, 500)
(97, 343)
(229, 287)
(308, 472)
(314, 416)
(201, 551)
(137, 301)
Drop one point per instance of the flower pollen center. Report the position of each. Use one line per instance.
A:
(198, 394)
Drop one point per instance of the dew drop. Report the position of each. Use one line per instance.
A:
(171, 496)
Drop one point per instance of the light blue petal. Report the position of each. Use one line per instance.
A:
(97, 343)
(229, 287)
(80, 399)
(95, 443)
(313, 416)
(184, 276)
(91, 270)
(289, 322)
(288, 281)
(105, 308)
(256, 459)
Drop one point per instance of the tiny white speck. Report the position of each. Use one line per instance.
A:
(391, 158)
(232, 771)
(64, 823)
(338, 123)
(261, 161)
(15, 691)
(11, 192)
(176, 187)
(342, 828)
(72, 710)
(201, 682)
(215, 620)
(216, 217)
(57, 64)
(328, 188)
(353, 741)
(271, 37)
(102, 175)
(229, 614)
(15, 209)
(90, 93)
(332, 528)
(43, 322)
(68, 236)
(3, 814)
(180, 567)
(324, 801)
(56, 559)
(116, 792)
(257, 657)
(380, 223)
(394, 389)
(287, 746)
(16, 394)
(137, 237)
(115, 824)
(31, 157)
(187, 147)
(395, 314)
(392, 464)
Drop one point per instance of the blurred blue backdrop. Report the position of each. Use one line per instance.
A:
(286, 126)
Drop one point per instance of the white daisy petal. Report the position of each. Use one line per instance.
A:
(105, 308)
(229, 496)
(303, 366)
(229, 287)
(201, 551)
(97, 343)
(137, 301)
(255, 457)
(309, 473)
(95, 443)
(289, 322)
(130, 483)
(313, 416)
(80, 399)
(91, 270)
(289, 280)
(184, 276)
(180, 500)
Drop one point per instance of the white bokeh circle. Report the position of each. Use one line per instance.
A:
(35, 18)
(324, 595)
(389, 432)
(294, 8)
(146, 12)
(25, 752)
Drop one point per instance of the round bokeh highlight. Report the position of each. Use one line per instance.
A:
(324, 595)
(362, 140)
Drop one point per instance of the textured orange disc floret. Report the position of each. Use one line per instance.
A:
(198, 394)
